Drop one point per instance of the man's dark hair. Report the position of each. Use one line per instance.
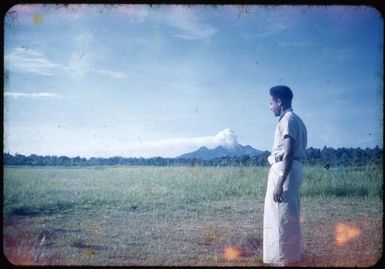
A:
(282, 92)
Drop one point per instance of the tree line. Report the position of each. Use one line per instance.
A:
(327, 157)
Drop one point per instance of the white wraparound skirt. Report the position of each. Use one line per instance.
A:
(282, 239)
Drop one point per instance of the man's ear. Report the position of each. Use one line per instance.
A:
(279, 101)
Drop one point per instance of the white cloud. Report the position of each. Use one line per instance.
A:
(110, 73)
(82, 67)
(82, 63)
(270, 29)
(42, 95)
(276, 20)
(79, 61)
(30, 60)
(188, 24)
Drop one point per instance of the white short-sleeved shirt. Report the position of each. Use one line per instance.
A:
(290, 124)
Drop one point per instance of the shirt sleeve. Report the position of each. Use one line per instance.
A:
(289, 127)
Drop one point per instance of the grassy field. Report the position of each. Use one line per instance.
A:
(182, 216)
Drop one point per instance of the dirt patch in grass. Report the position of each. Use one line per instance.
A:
(40, 210)
(197, 234)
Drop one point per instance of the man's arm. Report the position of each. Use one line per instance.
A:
(287, 162)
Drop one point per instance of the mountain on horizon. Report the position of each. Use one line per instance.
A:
(220, 151)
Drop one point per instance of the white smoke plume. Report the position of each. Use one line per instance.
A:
(226, 137)
(176, 146)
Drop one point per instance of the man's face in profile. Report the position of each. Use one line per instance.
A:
(275, 107)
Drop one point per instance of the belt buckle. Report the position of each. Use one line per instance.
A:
(275, 158)
(278, 158)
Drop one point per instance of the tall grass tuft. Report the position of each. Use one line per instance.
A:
(343, 181)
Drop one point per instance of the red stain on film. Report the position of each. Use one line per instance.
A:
(231, 253)
(346, 233)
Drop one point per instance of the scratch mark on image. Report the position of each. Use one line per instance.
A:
(81, 55)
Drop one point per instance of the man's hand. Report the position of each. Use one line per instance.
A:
(278, 191)
(287, 162)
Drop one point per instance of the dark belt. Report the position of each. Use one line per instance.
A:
(280, 158)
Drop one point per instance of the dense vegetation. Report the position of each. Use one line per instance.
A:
(328, 157)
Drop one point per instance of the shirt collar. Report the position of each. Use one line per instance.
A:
(284, 112)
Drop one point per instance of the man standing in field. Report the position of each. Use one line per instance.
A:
(282, 240)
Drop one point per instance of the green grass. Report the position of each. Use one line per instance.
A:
(34, 190)
(343, 182)
(55, 189)
(179, 215)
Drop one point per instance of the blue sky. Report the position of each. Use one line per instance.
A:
(135, 80)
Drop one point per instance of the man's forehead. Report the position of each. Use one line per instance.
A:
(272, 99)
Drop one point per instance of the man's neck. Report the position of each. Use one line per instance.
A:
(284, 109)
